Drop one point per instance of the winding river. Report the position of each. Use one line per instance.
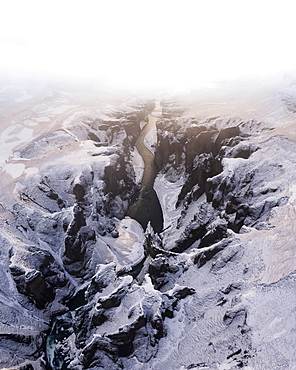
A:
(147, 206)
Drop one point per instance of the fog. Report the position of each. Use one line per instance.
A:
(148, 43)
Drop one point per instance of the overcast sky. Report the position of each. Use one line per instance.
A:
(148, 42)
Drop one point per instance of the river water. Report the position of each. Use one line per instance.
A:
(147, 206)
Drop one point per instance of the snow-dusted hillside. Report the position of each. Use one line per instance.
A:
(84, 286)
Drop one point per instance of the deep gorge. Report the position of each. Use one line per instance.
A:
(99, 279)
(147, 207)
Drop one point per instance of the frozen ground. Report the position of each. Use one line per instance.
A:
(57, 197)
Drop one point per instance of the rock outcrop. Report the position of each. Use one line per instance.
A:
(120, 319)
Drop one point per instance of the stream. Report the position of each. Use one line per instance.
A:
(147, 206)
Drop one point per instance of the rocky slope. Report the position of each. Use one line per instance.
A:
(84, 286)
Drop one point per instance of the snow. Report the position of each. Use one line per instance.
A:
(43, 119)
(24, 97)
(167, 193)
(58, 110)
(271, 317)
(12, 137)
(31, 171)
(128, 247)
(138, 165)
(263, 266)
(230, 164)
(74, 116)
(15, 169)
(150, 139)
(293, 194)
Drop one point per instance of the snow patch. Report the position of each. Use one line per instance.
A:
(43, 119)
(24, 98)
(12, 137)
(129, 246)
(138, 165)
(230, 164)
(167, 193)
(293, 194)
(150, 139)
(58, 110)
(31, 171)
(15, 169)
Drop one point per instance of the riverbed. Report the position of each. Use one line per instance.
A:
(147, 206)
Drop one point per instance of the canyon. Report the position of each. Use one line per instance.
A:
(147, 231)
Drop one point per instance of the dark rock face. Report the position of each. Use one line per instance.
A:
(147, 209)
(202, 149)
(143, 322)
(199, 147)
(164, 270)
(205, 227)
(206, 254)
(205, 165)
(170, 140)
(120, 187)
(236, 194)
(40, 277)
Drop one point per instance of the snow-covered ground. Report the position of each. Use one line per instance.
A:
(242, 311)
